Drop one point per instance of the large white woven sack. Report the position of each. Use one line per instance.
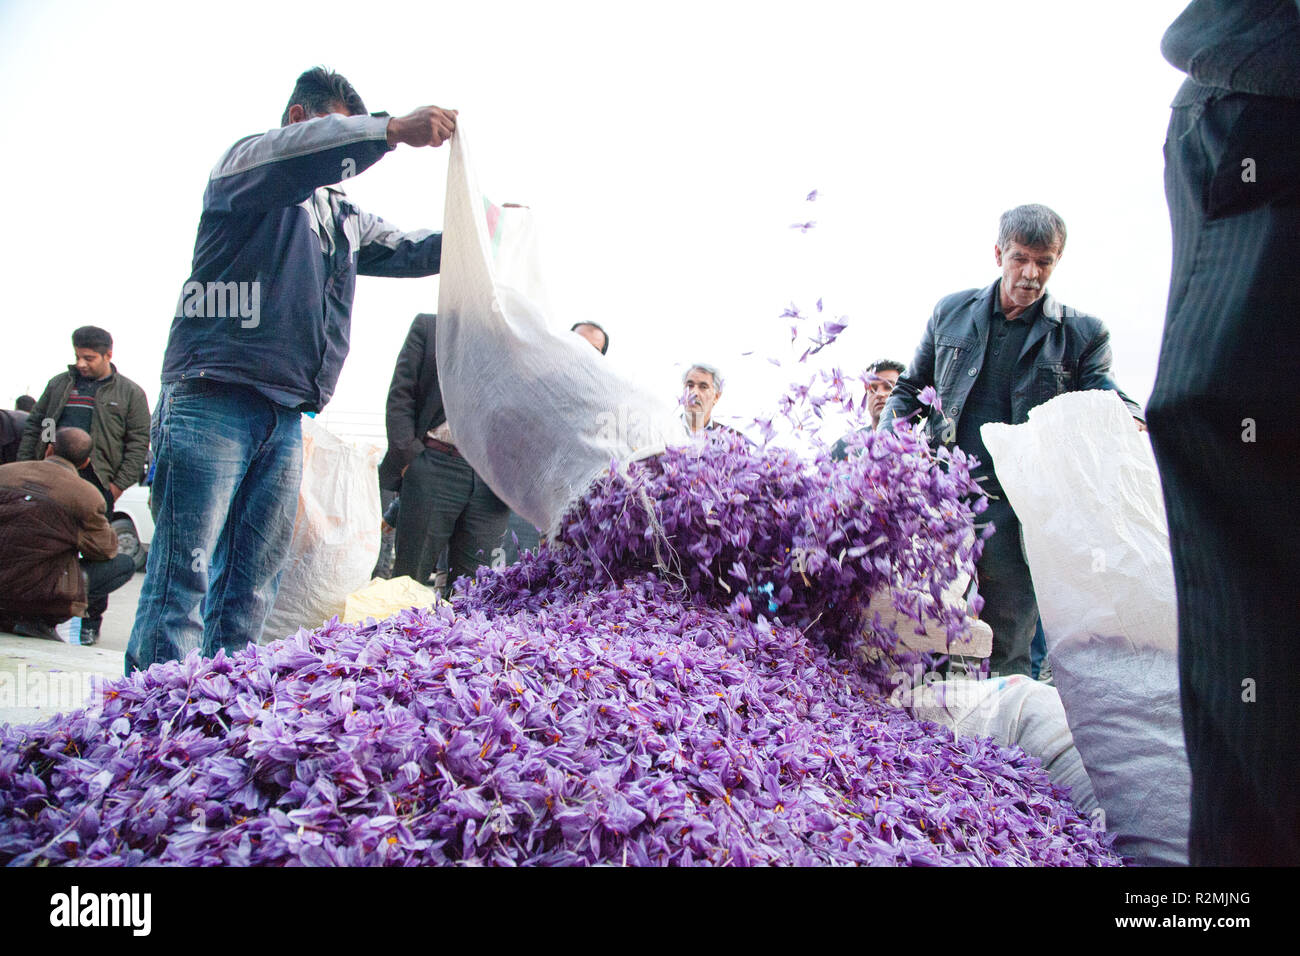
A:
(1083, 482)
(535, 410)
(335, 534)
(1016, 711)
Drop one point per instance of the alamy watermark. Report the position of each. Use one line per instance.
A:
(628, 426)
(75, 908)
(222, 300)
(56, 691)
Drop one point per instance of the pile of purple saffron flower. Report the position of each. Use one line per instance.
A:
(683, 676)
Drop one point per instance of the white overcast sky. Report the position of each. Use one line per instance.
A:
(664, 148)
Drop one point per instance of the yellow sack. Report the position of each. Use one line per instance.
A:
(382, 598)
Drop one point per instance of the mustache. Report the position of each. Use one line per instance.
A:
(1029, 285)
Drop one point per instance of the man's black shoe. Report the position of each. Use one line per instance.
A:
(36, 629)
(89, 632)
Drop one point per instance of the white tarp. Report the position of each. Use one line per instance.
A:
(534, 409)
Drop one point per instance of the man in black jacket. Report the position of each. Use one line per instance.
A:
(991, 355)
(444, 502)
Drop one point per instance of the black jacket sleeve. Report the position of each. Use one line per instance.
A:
(903, 400)
(404, 399)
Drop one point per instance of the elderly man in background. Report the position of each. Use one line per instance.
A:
(702, 388)
(992, 354)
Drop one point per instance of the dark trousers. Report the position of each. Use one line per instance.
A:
(1223, 419)
(98, 603)
(88, 473)
(1010, 607)
(103, 578)
(445, 504)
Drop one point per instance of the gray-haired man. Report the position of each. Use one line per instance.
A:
(992, 354)
(702, 385)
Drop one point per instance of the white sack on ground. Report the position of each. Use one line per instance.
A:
(534, 408)
(1083, 482)
(1015, 711)
(335, 535)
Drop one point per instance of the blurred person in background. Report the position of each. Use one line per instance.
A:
(93, 396)
(12, 424)
(594, 334)
(444, 503)
(882, 377)
(60, 554)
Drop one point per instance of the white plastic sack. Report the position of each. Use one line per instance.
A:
(1083, 482)
(535, 410)
(1015, 711)
(335, 535)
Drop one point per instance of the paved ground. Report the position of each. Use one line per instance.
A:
(39, 678)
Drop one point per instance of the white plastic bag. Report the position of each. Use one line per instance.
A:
(535, 410)
(1015, 711)
(335, 535)
(1083, 482)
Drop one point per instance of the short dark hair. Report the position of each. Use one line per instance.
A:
(1034, 226)
(92, 337)
(318, 88)
(72, 444)
(577, 325)
(887, 365)
(25, 403)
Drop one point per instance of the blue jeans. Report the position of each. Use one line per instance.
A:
(1037, 651)
(225, 495)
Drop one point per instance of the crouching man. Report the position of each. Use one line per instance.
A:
(49, 515)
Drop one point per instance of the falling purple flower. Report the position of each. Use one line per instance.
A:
(930, 397)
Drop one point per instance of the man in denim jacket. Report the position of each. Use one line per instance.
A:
(259, 336)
